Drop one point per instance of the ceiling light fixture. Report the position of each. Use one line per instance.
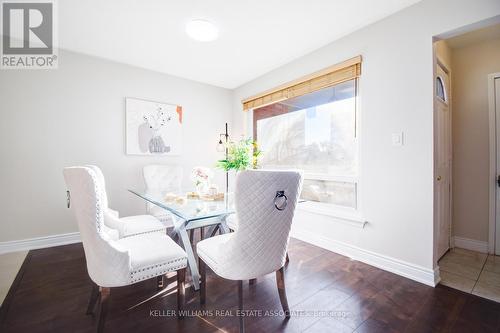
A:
(202, 30)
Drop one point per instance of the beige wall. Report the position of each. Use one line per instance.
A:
(470, 68)
(443, 53)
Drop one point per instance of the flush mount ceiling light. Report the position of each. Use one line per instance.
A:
(202, 30)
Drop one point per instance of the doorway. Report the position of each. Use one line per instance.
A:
(467, 159)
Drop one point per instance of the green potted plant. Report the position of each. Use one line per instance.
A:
(241, 155)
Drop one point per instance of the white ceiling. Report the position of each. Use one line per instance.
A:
(255, 36)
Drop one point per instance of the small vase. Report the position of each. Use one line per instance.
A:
(201, 188)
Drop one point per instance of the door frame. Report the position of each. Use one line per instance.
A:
(494, 214)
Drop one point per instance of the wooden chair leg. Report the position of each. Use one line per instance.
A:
(203, 281)
(252, 281)
(160, 282)
(93, 298)
(240, 305)
(280, 281)
(181, 292)
(103, 311)
(191, 235)
(202, 233)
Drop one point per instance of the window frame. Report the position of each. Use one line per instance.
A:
(349, 215)
(443, 86)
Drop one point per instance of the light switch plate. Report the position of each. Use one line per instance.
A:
(397, 139)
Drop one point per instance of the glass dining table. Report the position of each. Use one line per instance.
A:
(190, 211)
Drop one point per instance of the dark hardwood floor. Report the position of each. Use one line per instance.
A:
(328, 292)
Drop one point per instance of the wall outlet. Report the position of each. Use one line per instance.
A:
(397, 139)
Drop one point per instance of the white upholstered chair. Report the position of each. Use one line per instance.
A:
(117, 227)
(232, 224)
(160, 179)
(117, 262)
(259, 244)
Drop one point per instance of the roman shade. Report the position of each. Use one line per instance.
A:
(344, 71)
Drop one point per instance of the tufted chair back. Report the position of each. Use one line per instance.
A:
(260, 243)
(162, 177)
(102, 184)
(108, 264)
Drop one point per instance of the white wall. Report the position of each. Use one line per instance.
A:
(76, 115)
(471, 157)
(396, 94)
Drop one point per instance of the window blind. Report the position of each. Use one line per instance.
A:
(344, 71)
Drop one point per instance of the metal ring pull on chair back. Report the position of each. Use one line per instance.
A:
(280, 200)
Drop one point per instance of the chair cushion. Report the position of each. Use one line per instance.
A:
(141, 224)
(152, 254)
(113, 212)
(113, 234)
(211, 249)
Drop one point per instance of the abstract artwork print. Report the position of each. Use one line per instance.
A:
(153, 128)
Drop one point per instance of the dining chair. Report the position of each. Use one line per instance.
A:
(117, 227)
(117, 262)
(232, 224)
(160, 179)
(265, 203)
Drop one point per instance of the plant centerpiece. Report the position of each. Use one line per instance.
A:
(201, 177)
(241, 155)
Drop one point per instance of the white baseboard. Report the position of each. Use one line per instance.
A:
(470, 244)
(417, 273)
(39, 242)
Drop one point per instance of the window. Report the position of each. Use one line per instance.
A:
(316, 133)
(440, 92)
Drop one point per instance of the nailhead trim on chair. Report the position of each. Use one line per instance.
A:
(184, 264)
(158, 274)
(98, 199)
(146, 232)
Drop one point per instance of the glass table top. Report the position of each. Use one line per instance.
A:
(190, 206)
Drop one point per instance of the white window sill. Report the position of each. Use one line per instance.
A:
(341, 214)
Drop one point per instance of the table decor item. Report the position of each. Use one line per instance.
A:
(193, 195)
(212, 190)
(181, 200)
(213, 197)
(170, 197)
(201, 177)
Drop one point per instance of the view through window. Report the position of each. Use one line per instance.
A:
(316, 133)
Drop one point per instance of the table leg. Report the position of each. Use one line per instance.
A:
(175, 225)
(223, 225)
(193, 266)
(174, 234)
